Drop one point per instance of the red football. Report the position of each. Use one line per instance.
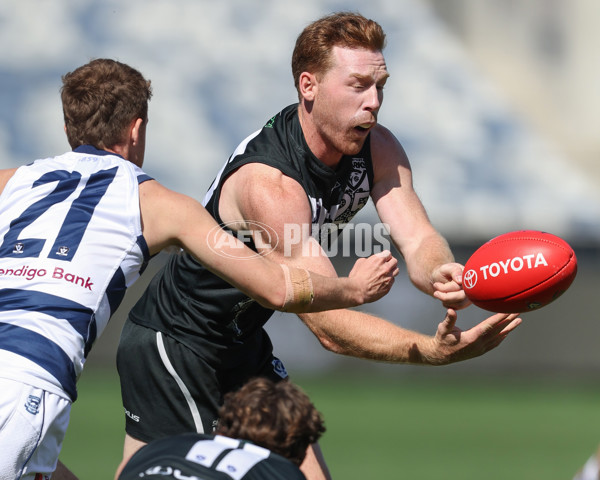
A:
(519, 271)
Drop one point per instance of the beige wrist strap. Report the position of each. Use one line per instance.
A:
(298, 287)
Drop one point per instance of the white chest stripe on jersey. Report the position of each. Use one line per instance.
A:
(235, 463)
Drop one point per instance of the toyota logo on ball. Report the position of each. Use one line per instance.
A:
(470, 279)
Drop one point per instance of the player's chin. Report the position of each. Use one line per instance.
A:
(355, 141)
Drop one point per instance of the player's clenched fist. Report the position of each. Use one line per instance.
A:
(377, 273)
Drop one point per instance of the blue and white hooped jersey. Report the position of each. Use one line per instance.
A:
(70, 244)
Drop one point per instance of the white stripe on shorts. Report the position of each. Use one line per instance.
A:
(186, 393)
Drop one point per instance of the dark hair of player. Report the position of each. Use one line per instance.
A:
(100, 101)
(277, 416)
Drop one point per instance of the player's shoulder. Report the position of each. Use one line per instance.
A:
(384, 141)
(5, 175)
(254, 180)
(387, 153)
(262, 174)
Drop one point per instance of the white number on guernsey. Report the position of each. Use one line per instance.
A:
(75, 222)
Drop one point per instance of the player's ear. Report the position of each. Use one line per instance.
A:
(135, 131)
(307, 85)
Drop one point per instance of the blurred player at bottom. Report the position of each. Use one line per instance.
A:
(263, 433)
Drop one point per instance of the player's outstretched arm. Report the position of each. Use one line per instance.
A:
(362, 335)
(170, 218)
(429, 260)
(257, 192)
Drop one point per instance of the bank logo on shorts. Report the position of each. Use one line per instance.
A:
(33, 404)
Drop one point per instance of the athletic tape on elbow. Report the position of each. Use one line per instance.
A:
(298, 286)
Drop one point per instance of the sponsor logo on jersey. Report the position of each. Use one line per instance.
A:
(135, 418)
(58, 274)
(63, 251)
(359, 172)
(271, 122)
(279, 368)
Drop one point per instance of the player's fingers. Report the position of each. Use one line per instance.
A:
(456, 300)
(391, 261)
(498, 318)
(451, 271)
(491, 325)
(450, 297)
(390, 269)
(457, 273)
(514, 323)
(451, 286)
(458, 304)
(449, 321)
(501, 323)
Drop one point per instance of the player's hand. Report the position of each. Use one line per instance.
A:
(447, 285)
(451, 344)
(375, 274)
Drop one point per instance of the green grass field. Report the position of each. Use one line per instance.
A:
(407, 428)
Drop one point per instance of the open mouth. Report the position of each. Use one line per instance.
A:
(363, 127)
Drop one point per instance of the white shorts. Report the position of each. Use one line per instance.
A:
(33, 423)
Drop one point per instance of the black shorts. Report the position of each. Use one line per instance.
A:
(168, 389)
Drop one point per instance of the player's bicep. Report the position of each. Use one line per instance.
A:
(278, 203)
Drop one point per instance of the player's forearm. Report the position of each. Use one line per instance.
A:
(370, 279)
(361, 335)
(310, 292)
(421, 263)
(297, 290)
(330, 293)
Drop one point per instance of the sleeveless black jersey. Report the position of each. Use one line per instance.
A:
(204, 312)
(193, 456)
